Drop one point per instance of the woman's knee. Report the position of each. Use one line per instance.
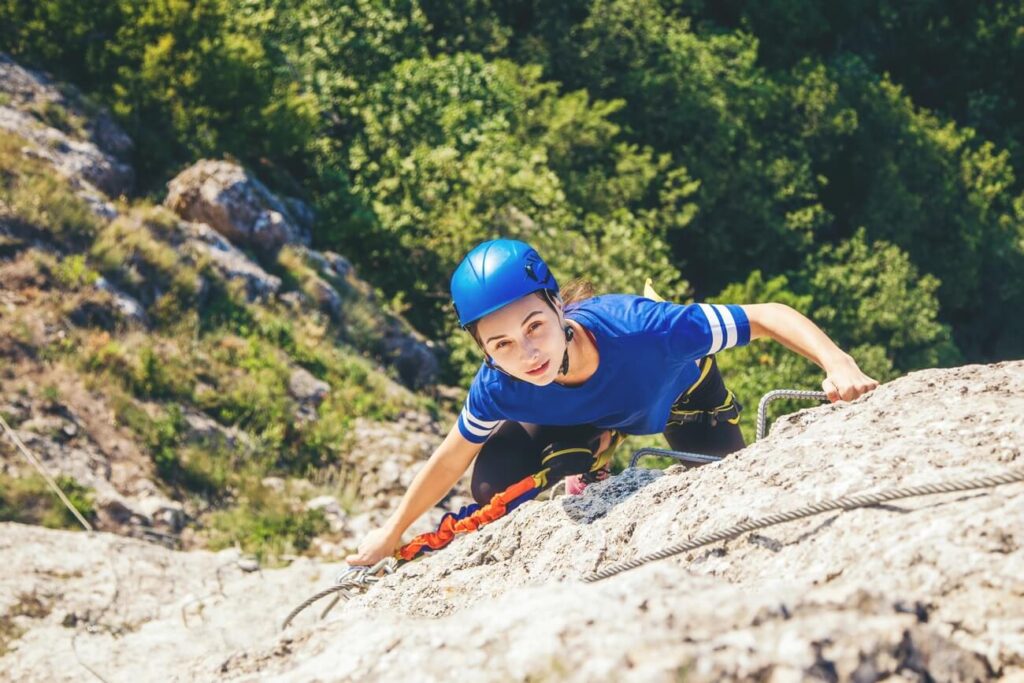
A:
(508, 455)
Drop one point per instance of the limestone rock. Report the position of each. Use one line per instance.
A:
(166, 513)
(306, 388)
(927, 588)
(85, 146)
(127, 305)
(204, 430)
(235, 204)
(339, 291)
(229, 261)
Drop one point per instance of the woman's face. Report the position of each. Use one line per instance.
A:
(525, 338)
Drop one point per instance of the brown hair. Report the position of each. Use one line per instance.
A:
(578, 289)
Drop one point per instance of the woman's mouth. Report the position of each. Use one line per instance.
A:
(539, 370)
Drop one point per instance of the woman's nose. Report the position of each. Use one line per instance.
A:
(530, 351)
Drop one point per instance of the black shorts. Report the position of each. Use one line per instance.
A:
(704, 419)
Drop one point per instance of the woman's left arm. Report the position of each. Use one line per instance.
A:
(843, 379)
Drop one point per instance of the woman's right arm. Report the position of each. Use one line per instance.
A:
(444, 467)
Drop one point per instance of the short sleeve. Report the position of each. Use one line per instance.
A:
(699, 330)
(479, 417)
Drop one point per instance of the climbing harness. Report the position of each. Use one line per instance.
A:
(728, 411)
(762, 419)
(35, 462)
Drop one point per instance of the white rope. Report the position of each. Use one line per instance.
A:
(1012, 476)
(46, 475)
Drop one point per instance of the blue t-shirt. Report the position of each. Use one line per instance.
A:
(648, 355)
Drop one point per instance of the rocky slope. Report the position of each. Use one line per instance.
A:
(124, 327)
(921, 589)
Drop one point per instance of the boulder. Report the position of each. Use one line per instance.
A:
(237, 205)
(127, 306)
(307, 389)
(203, 430)
(163, 513)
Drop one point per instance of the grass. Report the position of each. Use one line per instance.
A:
(57, 116)
(28, 500)
(265, 525)
(73, 272)
(32, 195)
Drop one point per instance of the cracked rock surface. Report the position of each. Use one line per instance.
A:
(919, 589)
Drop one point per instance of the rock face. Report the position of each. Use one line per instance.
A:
(230, 261)
(225, 197)
(920, 589)
(351, 302)
(225, 209)
(84, 146)
(76, 438)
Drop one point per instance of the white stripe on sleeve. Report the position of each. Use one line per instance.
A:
(476, 420)
(477, 427)
(716, 328)
(731, 336)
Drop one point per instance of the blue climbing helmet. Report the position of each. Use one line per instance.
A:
(496, 273)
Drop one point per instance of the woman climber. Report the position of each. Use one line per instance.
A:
(563, 382)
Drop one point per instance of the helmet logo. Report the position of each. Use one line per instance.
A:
(536, 269)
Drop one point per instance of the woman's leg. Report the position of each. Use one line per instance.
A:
(508, 455)
(517, 450)
(706, 419)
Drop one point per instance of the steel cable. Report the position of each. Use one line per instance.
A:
(35, 462)
(845, 503)
(354, 577)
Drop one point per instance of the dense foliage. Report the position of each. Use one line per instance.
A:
(859, 160)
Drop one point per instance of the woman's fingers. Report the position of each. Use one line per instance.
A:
(830, 389)
(848, 389)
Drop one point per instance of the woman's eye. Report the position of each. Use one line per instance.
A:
(535, 325)
(501, 345)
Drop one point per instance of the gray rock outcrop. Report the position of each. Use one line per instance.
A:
(234, 203)
(225, 209)
(228, 260)
(83, 144)
(75, 438)
(920, 589)
(337, 290)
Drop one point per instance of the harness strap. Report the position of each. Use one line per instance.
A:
(728, 412)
